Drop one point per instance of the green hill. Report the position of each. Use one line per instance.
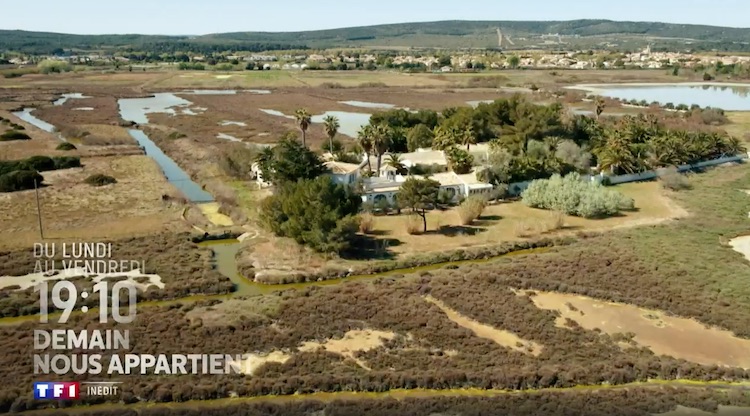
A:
(453, 34)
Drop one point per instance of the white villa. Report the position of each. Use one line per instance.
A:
(387, 183)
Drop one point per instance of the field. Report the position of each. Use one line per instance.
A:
(437, 329)
(656, 295)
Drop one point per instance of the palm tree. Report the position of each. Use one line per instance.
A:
(381, 141)
(365, 138)
(395, 162)
(331, 126)
(468, 137)
(445, 138)
(303, 121)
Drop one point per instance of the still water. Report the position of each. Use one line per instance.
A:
(730, 98)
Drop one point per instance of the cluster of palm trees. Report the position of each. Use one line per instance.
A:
(640, 143)
(331, 125)
(375, 140)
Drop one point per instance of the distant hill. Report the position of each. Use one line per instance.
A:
(452, 34)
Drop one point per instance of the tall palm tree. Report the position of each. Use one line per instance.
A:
(468, 137)
(331, 126)
(365, 138)
(395, 162)
(381, 141)
(303, 121)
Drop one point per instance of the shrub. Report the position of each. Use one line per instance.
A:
(670, 178)
(573, 196)
(15, 126)
(51, 66)
(39, 163)
(471, 209)
(66, 162)
(66, 146)
(20, 180)
(707, 76)
(413, 224)
(13, 135)
(366, 223)
(99, 179)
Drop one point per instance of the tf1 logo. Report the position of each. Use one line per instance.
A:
(57, 390)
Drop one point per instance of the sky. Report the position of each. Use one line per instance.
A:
(198, 17)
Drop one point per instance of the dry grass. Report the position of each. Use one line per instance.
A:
(72, 209)
(413, 224)
(513, 221)
(366, 222)
(740, 125)
(471, 209)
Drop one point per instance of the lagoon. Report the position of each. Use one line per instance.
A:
(730, 97)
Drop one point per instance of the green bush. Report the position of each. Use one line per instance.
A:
(573, 196)
(99, 179)
(20, 180)
(66, 146)
(13, 135)
(39, 164)
(66, 162)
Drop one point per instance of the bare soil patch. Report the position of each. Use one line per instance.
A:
(353, 342)
(663, 334)
(501, 337)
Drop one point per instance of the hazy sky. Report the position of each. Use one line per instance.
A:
(212, 16)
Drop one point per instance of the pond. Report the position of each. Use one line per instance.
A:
(65, 97)
(730, 97)
(366, 104)
(350, 123)
(136, 109)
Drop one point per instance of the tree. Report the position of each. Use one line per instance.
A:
(514, 61)
(315, 212)
(419, 195)
(600, 104)
(381, 141)
(365, 136)
(303, 121)
(289, 161)
(331, 126)
(445, 137)
(419, 137)
(394, 161)
(459, 160)
(468, 137)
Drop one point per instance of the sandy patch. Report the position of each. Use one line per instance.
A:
(254, 361)
(33, 279)
(664, 335)
(211, 212)
(223, 76)
(353, 342)
(501, 337)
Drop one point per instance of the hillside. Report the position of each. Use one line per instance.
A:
(452, 34)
